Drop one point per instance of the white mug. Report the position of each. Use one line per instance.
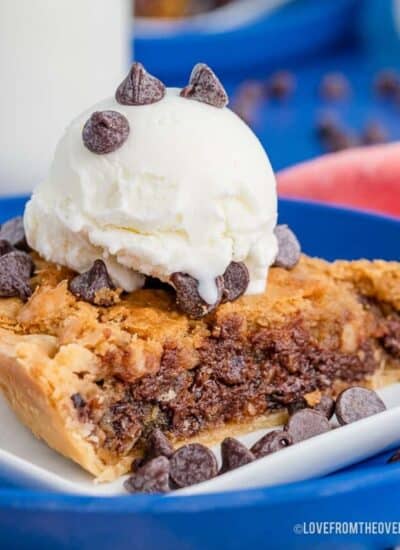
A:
(57, 57)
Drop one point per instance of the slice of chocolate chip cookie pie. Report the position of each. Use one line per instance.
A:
(159, 300)
(93, 377)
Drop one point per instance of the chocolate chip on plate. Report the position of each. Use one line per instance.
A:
(297, 405)
(192, 464)
(13, 231)
(395, 457)
(105, 132)
(289, 250)
(271, 443)
(281, 85)
(188, 298)
(305, 424)
(334, 86)
(236, 280)
(157, 444)
(139, 88)
(204, 86)
(356, 403)
(16, 267)
(152, 477)
(88, 286)
(234, 454)
(326, 406)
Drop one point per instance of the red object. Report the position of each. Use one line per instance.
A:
(367, 178)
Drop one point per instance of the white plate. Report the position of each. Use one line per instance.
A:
(29, 462)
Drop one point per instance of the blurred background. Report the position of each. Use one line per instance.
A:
(309, 76)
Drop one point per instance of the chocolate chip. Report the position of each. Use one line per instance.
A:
(204, 86)
(137, 463)
(5, 247)
(374, 133)
(340, 140)
(188, 298)
(387, 83)
(236, 280)
(105, 132)
(297, 405)
(356, 403)
(281, 85)
(231, 370)
(305, 424)
(158, 445)
(234, 454)
(289, 250)
(87, 285)
(152, 477)
(139, 88)
(78, 401)
(326, 406)
(326, 126)
(192, 464)
(395, 457)
(271, 443)
(13, 231)
(334, 86)
(16, 267)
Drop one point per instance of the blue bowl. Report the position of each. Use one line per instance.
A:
(263, 518)
(299, 29)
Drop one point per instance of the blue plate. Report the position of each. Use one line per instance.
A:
(264, 518)
(298, 29)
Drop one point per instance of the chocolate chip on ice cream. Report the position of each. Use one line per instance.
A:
(139, 88)
(188, 298)
(204, 86)
(236, 280)
(105, 132)
(90, 286)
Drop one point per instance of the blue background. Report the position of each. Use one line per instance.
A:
(309, 37)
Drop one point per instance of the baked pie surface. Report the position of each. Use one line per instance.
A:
(93, 381)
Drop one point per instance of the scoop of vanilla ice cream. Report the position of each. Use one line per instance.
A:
(190, 190)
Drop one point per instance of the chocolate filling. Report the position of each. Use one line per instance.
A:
(236, 378)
